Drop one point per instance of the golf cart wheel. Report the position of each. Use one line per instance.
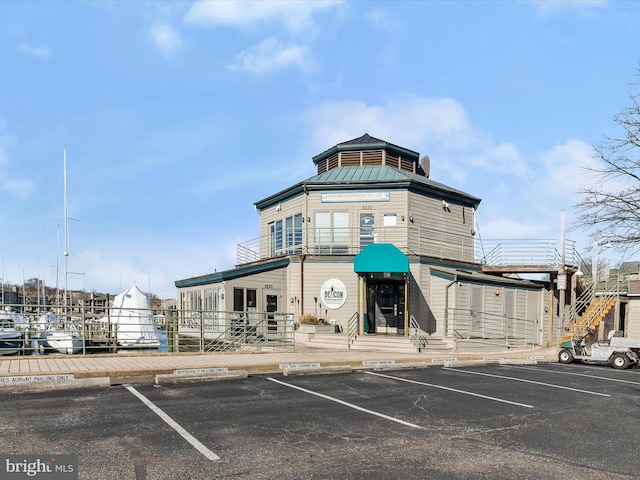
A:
(565, 356)
(620, 361)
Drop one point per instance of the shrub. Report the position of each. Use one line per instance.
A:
(308, 319)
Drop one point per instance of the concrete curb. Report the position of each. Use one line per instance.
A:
(171, 378)
(516, 361)
(317, 370)
(466, 363)
(45, 386)
(400, 366)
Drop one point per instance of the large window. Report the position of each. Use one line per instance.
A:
(275, 233)
(332, 232)
(288, 239)
(293, 233)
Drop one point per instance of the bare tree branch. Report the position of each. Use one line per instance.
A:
(610, 207)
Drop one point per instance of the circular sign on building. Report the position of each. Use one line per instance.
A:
(333, 293)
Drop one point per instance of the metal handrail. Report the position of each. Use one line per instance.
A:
(527, 252)
(353, 329)
(43, 329)
(347, 241)
(468, 324)
(414, 332)
(413, 240)
(594, 303)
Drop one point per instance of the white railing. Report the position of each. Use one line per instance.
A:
(46, 329)
(411, 240)
(467, 324)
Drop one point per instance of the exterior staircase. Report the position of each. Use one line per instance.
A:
(595, 313)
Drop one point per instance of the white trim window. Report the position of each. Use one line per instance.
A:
(332, 233)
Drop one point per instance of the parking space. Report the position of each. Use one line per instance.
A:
(542, 421)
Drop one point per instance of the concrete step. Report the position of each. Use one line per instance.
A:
(479, 345)
(385, 343)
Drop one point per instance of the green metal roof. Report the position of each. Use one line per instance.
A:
(479, 277)
(381, 257)
(379, 176)
(234, 273)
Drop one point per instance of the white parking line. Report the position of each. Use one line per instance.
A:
(527, 381)
(172, 423)
(575, 374)
(451, 389)
(347, 404)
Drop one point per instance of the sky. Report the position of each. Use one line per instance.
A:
(177, 116)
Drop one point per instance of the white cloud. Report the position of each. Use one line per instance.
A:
(271, 55)
(19, 188)
(295, 16)
(503, 158)
(409, 121)
(382, 21)
(41, 51)
(547, 8)
(165, 38)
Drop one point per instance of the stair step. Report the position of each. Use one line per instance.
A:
(384, 343)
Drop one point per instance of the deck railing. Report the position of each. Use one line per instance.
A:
(411, 240)
(467, 324)
(526, 252)
(45, 330)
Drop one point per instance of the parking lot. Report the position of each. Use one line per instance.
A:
(539, 422)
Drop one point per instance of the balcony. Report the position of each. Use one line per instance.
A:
(411, 240)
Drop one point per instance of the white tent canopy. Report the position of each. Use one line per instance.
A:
(131, 314)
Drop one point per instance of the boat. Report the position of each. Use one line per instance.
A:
(60, 334)
(11, 332)
(132, 319)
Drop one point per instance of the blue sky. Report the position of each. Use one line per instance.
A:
(178, 116)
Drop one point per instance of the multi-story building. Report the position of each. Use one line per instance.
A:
(371, 236)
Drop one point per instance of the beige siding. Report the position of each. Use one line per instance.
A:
(454, 238)
(632, 327)
(437, 301)
(396, 205)
(317, 273)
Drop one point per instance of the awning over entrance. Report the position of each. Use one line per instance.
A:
(381, 258)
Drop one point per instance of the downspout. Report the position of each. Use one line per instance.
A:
(302, 257)
(446, 303)
(305, 247)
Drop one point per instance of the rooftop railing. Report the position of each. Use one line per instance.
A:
(412, 240)
(526, 252)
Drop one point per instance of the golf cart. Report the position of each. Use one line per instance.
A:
(619, 351)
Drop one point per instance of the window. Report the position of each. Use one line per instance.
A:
(332, 233)
(275, 231)
(293, 233)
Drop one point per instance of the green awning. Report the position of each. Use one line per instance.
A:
(381, 258)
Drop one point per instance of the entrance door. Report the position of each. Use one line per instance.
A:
(272, 323)
(385, 307)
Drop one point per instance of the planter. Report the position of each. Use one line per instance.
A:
(316, 328)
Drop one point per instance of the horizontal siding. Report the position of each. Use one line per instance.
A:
(316, 274)
(632, 327)
(437, 301)
(456, 225)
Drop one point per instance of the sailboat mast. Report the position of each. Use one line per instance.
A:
(66, 231)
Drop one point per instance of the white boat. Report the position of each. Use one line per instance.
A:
(11, 332)
(60, 334)
(133, 320)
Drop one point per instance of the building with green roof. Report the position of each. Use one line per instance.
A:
(371, 237)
